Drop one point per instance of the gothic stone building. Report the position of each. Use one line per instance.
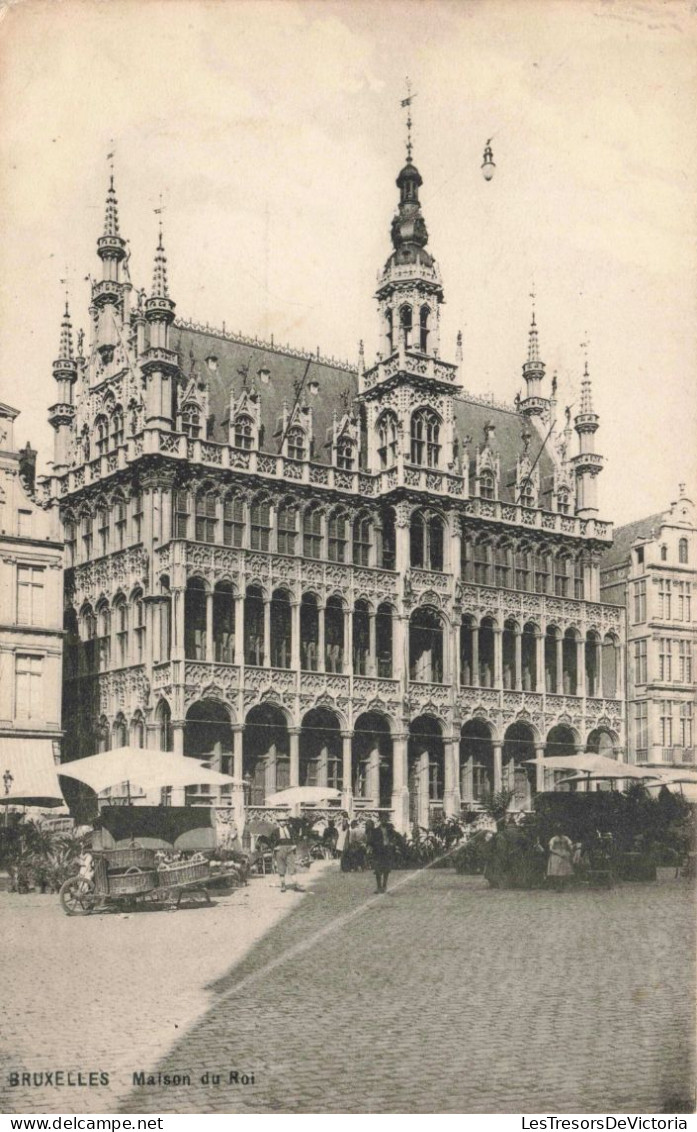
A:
(310, 573)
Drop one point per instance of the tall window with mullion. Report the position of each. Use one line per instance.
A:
(120, 614)
(234, 520)
(425, 438)
(103, 530)
(361, 540)
(312, 533)
(344, 454)
(180, 514)
(120, 515)
(387, 439)
(336, 532)
(30, 595)
(206, 515)
(286, 527)
(295, 443)
(260, 524)
(243, 432)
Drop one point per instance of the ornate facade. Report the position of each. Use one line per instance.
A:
(311, 573)
(652, 570)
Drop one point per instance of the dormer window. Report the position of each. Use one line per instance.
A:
(313, 387)
(487, 485)
(344, 454)
(527, 494)
(563, 505)
(243, 432)
(212, 363)
(264, 376)
(296, 444)
(191, 422)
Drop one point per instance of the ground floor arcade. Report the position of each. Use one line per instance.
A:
(417, 772)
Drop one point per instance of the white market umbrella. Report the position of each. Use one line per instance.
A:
(149, 770)
(589, 763)
(308, 794)
(621, 770)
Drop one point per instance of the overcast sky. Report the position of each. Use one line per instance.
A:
(274, 133)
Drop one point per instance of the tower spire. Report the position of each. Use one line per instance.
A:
(65, 352)
(111, 216)
(534, 404)
(406, 102)
(160, 287)
(586, 391)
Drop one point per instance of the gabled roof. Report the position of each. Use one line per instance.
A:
(625, 537)
(470, 418)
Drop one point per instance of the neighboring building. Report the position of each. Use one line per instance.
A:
(31, 627)
(364, 578)
(652, 570)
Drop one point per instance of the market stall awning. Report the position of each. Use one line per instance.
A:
(28, 774)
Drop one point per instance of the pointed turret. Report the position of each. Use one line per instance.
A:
(533, 404)
(111, 247)
(159, 363)
(587, 464)
(62, 412)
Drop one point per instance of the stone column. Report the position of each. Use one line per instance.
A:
(239, 630)
(619, 670)
(400, 778)
(451, 791)
(346, 772)
(559, 645)
(294, 735)
(498, 766)
(498, 658)
(455, 654)
(209, 626)
(539, 661)
(599, 668)
(539, 770)
(580, 667)
(372, 665)
(348, 641)
(321, 647)
(177, 626)
(267, 633)
(295, 636)
(476, 676)
(518, 682)
(236, 733)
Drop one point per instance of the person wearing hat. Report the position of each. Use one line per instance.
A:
(285, 854)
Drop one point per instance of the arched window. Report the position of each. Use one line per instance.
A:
(120, 517)
(405, 325)
(344, 454)
(387, 440)
(101, 431)
(483, 555)
(424, 328)
(191, 421)
(243, 432)
(522, 569)
(103, 631)
(286, 527)
(361, 540)
(180, 514)
(138, 730)
(561, 575)
(389, 329)
(206, 504)
(86, 536)
(502, 566)
(120, 615)
(426, 541)
(563, 501)
(312, 533)
(385, 540)
(119, 733)
(103, 530)
(542, 575)
(487, 485)
(664, 553)
(579, 564)
(336, 530)
(260, 524)
(138, 627)
(682, 551)
(296, 444)
(425, 437)
(233, 521)
(527, 494)
(117, 430)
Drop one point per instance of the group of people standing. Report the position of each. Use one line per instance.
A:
(359, 847)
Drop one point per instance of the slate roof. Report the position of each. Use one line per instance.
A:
(233, 354)
(625, 537)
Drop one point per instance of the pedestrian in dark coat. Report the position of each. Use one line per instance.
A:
(382, 842)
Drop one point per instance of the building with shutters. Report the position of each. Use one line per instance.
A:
(651, 569)
(363, 577)
(31, 627)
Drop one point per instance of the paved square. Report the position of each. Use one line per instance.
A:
(443, 996)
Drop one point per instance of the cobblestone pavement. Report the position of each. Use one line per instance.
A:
(443, 996)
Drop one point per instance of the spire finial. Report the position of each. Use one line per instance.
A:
(111, 217)
(586, 392)
(160, 287)
(406, 102)
(533, 343)
(65, 353)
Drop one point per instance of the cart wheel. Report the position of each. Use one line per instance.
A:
(77, 896)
